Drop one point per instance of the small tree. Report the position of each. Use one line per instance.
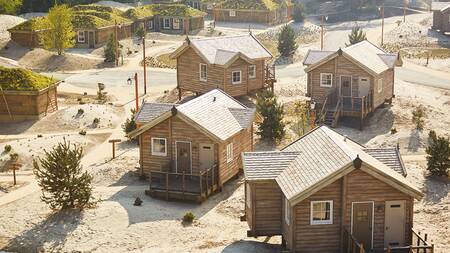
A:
(298, 13)
(140, 31)
(272, 126)
(301, 124)
(60, 175)
(418, 116)
(438, 158)
(286, 41)
(110, 51)
(58, 34)
(130, 123)
(357, 35)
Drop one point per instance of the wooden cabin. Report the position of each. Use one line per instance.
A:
(236, 64)
(188, 151)
(327, 193)
(351, 82)
(441, 16)
(268, 12)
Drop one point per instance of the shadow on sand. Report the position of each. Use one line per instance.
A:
(436, 188)
(50, 232)
(252, 247)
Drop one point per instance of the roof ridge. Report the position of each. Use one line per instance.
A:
(221, 37)
(301, 137)
(341, 143)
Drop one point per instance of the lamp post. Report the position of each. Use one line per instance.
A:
(321, 31)
(381, 9)
(136, 90)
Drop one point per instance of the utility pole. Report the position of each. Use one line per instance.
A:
(117, 44)
(382, 23)
(136, 90)
(321, 34)
(145, 65)
(404, 11)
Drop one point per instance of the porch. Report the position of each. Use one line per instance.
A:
(269, 76)
(171, 185)
(419, 245)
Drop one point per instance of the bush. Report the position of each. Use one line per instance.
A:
(286, 41)
(188, 217)
(62, 179)
(298, 13)
(80, 111)
(96, 121)
(140, 31)
(82, 132)
(130, 123)
(7, 148)
(393, 130)
(137, 202)
(10, 7)
(272, 126)
(438, 154)
(110, 50)
(418, 116)
(13, 156)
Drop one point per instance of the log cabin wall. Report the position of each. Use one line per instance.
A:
(248, 84)
(252, 16)
(360, 187)
(387, 91)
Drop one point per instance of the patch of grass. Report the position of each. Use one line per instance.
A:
(188, 217)
(23, 79)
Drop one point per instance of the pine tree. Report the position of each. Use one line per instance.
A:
(58, 34)
(298, 13)
(272, 126)
(418, 116)
(140, 31)
(62, 179)
(438, 158)
(357, 35)
(302, 122)
(130, 124)
(110, 50)
(286, 41)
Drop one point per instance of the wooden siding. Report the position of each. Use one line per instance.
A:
(253, 16)
(388, 86)
(267, 201)
(360, 187)
(188, 72)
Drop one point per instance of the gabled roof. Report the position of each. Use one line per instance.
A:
(388, 156)
(224, 50)
(215, 113)
(439, 6)
(365, 54)
(322, 157)
(266, 165)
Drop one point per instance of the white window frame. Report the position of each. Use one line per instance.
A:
(164, 23)
(287, 212)
(322, 75)
(83, 36)
(321, 222)
(230, 152)
(205, 78)
(232, 13)
(380, 85)
(254, 71)
(153, 147)
(240, 77)
(176, 24)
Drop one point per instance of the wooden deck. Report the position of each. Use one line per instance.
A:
(182, 186)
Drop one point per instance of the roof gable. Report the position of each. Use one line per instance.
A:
(440, 6)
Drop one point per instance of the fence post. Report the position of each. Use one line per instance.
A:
(150, 180)
(432, 248)
(167, 186)
(361, 249)
(183, 182)
(207, 184)
(389, 249)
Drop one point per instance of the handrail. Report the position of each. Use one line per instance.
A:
(419, 245)
(351, 245)
(337, 112)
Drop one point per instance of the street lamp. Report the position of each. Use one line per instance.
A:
(321, 31)
(381, 9)
(129, 81)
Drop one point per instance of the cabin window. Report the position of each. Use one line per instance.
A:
(203, 72)
(326, 79)
(321, 212)
(229, 152)
(252, 71)
(159, 146)
(236, 77)
(80, 36)
(287, 211)
(150, 25)
(166, 23)
(380, 85)
(176, 23)
(232, 13)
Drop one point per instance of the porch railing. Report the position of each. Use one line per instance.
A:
(202, 184)
(269, 76)
(351, 245)
(419, 245)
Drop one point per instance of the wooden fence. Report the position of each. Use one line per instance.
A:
(419, 245)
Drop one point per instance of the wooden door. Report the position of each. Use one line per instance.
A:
(91, 40)
(183, 157)
(362, 223)
(363, 86)
(346, 86)
(206, 156)
(394, 221)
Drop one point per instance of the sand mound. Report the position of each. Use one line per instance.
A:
(72, 116)
(6, 22)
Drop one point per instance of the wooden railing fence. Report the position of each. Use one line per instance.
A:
(419, 245)
(351, 245)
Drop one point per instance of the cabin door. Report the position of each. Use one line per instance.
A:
(362, 223)
(91, 40)
(394, 234)
(184, 157)
(206, 156)
(346, 86)
(364, 86)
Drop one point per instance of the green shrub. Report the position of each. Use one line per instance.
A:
(357, 35)
(82, 132)
(130, 123)
(298, 13)
(140, 31)
(96, 121)
(13, 156)
(286, 41)
(10, 7)
(110, 51)
(393, 130)
(80, 111)
(438, 154)
(418, 116)
(188, 217)
(7, 148)
(272, 126)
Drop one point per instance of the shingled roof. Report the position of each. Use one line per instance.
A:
(224, 50)
(439, 6)
(390, 157)
(321, 156)
(371, 57)
(215, 112)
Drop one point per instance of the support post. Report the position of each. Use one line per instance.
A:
(207, 184)
(404, 11)
(382, 24)
(117, 43)
(321, 34)
(14, 175)
(145, 65)
(150, 180)
(113, 142)
(136, 85)
(183, 183)
(167, 186)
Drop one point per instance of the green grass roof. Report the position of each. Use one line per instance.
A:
(23, 79)
(175, 10)
(248, 4)
(31, 24)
